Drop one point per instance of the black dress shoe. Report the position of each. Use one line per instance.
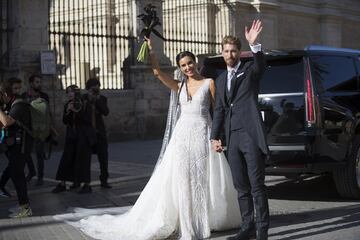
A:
(30, 176)
(105, 185)
(85, 189)
(261, 235)
(4, 192)
(244, 235)
(59, 188)
(241, 235)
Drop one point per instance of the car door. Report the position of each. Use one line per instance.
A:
(337, 84)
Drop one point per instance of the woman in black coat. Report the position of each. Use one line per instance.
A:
(75, 162)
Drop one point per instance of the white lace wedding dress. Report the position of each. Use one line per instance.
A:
(189, 194)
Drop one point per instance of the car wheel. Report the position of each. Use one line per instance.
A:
(347, 179)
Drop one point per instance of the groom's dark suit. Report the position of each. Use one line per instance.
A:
(237, 111)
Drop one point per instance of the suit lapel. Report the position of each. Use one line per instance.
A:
(223, 88)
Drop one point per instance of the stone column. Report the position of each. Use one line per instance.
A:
(331, 34)
(28, 23)
(151, 96)
(242, 13)
(267, 12)
(331, 25)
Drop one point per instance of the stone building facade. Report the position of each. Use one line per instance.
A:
(139, 110)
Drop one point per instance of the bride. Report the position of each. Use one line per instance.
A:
(190, 191)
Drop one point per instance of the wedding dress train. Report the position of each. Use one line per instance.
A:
(189, 193)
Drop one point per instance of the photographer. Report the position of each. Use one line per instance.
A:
(16, 125)
(99, 108)
(75, 162)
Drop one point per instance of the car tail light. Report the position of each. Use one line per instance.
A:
(309, 97)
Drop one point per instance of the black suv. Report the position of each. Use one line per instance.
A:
(310, 103)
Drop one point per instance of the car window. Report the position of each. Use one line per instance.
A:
(334, 73)
(285, 75)
(213, 67)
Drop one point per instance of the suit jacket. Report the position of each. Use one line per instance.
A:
(238, 109)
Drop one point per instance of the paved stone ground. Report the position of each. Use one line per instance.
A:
(305, 208)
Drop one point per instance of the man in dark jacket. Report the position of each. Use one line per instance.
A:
(236, 110)
(34, 92)
(17, 124)
(99, 108)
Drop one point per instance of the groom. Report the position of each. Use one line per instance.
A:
(236, 109)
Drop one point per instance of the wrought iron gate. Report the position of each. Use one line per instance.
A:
(91, 38)
(195, 25)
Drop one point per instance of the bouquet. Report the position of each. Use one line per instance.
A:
(150, 21)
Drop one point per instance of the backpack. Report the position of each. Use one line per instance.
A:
(40, 118)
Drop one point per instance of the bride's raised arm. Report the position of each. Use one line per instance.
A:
(167, 80)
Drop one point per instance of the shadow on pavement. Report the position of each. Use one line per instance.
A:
(313, 188)
(316, 222)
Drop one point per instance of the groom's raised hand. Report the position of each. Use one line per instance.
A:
(252, 34)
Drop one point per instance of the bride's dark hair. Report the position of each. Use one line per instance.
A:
(178, 58)
(184, 54)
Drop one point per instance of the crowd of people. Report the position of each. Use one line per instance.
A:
(27, 126)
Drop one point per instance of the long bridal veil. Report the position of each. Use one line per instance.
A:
(173, 115)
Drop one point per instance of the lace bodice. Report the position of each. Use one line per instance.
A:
(199, 105)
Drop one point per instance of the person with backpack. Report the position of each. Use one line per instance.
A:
(99, 108)
(40, 101)
(15, 125)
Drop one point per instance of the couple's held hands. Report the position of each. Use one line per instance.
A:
(217, 145)
(252, 34)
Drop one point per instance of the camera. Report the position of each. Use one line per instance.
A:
(95, 91)
(77, 101)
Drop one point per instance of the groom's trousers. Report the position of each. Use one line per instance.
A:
(247, 165)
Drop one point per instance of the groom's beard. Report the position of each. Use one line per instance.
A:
(231, 61)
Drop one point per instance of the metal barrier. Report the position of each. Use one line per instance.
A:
(194, 25)
(93, 38)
